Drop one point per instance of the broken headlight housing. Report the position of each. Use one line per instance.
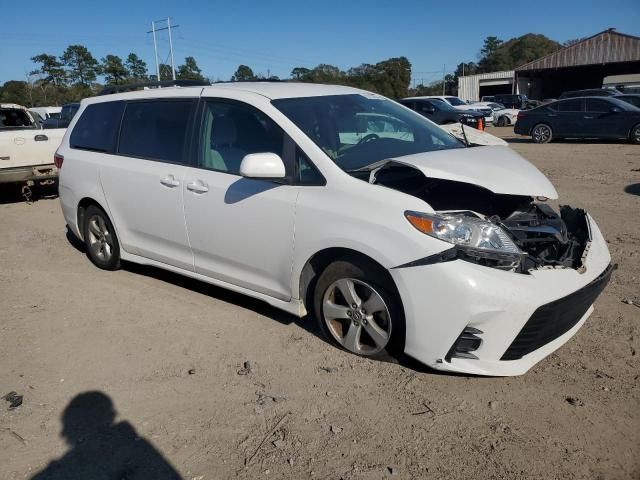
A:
(476, 240)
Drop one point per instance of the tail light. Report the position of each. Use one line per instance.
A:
(520, 115)
(57, 160)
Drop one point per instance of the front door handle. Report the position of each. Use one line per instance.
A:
(552, 114)
(197, 187)
(170, 181)
(41, 138)
(588, 116)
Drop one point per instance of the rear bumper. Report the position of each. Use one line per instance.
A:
(443, 299)
(23, 174)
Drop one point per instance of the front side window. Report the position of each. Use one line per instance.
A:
(155, 130)
(598, 106)
(455, 101)
(232, 130)
(571, 106)
(97, 128)
(357, 130)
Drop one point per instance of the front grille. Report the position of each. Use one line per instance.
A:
(552, 320)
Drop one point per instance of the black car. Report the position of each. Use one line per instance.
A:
(587, 117)
(592, 92)
(66, 115)
(441, 112)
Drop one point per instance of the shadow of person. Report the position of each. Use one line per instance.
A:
(101, 449)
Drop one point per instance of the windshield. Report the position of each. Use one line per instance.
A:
(357, 130)
(632, 99)
(442, 105)
(455, 101)
(11, 118)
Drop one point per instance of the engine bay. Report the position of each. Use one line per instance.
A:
(546, 238)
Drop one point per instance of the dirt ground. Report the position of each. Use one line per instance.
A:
(169, 353)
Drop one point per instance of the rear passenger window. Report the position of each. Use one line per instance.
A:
(155, 130)
(571, 106)
(97, 128)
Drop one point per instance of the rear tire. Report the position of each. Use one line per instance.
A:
(367, 319)
(541, 133)
(101, 242)
(635, 135)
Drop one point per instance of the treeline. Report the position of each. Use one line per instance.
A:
(74, 74)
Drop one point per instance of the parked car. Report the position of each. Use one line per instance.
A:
(591, 92)
(46, 112)
(505, 117)
(588, 117)
(460, 104)
(26, 151)
(413, 243)
(633, 99)
(509, 100)
(66, 115)
(442, 113)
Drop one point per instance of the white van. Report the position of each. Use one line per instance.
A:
(340, 202)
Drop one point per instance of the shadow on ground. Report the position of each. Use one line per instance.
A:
(633, 189)
(100, 448)
(260, 307)
(12, 193)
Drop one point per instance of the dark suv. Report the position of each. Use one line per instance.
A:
(441, 112)
(66, 115)
(591, 92)
(510, 100)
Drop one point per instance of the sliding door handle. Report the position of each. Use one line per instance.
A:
(197, 187)
(170, 181)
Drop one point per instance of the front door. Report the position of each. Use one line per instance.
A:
(568, 120)
(241, 230)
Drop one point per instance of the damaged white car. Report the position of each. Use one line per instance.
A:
(397, 240)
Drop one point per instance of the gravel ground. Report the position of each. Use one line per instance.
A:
(170, 354)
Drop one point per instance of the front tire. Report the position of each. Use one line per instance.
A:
(357, 309)
(635, 135)
(502, 122)
(101, 242)
(542, 133)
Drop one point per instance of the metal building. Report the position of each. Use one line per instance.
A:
(473, 87)
(584, 64)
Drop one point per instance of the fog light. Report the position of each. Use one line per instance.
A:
(467, 342)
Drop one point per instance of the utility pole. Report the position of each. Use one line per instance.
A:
(155, 44)
(443, 83)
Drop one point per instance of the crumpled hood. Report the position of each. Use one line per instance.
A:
(498, 169)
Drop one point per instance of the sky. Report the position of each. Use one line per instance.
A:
(274, 36)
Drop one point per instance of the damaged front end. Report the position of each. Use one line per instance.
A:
(509, 232)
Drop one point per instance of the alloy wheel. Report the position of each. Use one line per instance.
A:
(357, 316)
(541, 134)
(100, 239)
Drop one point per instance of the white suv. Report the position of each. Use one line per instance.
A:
(341, 202)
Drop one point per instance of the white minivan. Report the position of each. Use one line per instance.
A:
(341, 203)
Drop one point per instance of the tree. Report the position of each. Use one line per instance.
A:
(243, 74)
(497, 55)
(300, 73)
(189, 70)
(82, 68)
(15, 91)
(50, 69)
(136, 67)
(113, 70)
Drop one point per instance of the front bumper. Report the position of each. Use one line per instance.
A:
(443, 299)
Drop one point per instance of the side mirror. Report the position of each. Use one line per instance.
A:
(262, 165)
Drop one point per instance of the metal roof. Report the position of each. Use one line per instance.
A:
(604, 47)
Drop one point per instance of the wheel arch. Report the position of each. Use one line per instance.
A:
(83, 204)
(316, 264)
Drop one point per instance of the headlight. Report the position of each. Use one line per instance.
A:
(477, 239)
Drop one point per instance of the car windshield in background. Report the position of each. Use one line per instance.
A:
(455, 101)
(632, 99)
(14, 118)
(442, 105)
(357, 130)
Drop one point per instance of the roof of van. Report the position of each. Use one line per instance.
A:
(271, 90)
